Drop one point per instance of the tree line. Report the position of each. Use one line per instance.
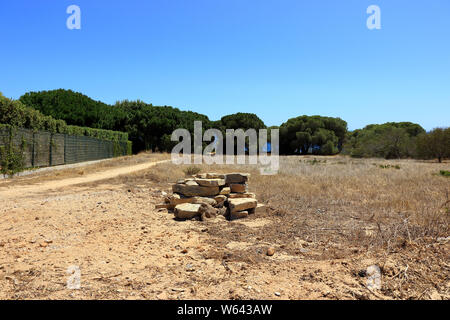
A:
(14, 113)
(150, 127)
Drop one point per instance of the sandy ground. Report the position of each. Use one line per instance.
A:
(7, 193)
(125, 249)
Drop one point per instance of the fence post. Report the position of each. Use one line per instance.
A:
(65, 143)
(50, 160)
(32, 152)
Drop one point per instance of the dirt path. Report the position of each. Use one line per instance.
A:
(7, 193)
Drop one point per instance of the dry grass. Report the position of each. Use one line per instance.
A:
(393, 211)
(366, 202)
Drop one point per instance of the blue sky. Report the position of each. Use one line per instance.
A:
(276, 58)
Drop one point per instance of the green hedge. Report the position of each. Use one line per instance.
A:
(14, 113)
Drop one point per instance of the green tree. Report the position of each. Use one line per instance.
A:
(435, 144)
(324, 135)
(390, 140)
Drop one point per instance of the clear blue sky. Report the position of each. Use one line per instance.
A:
(276, 58)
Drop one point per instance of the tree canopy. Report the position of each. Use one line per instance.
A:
(74, 108)
(15, 114)
(435, 144)
(150, 127)
(324, 135)
(390, 140)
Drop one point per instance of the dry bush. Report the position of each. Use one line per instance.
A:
(191, 170)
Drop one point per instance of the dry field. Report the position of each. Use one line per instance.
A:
(328, 220)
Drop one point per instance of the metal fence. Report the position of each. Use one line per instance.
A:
(43, 149)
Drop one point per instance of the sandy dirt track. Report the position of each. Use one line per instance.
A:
(6, 192)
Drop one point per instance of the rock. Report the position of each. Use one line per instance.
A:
(242, 195)
(191, 183)
(238, 188)
(207, 212)
(241, 204)
(215, 176)
(270, 251)
(164, 206)
(210, 182)
(191, 191)
(203, 200)
(232, 178)
(190, 267)
(238, 215)
(225, 191)
(443, 240)
(222, 211)
(220, 200)
(187, 210)
(177, 199)
(260, 209)
(277, 293)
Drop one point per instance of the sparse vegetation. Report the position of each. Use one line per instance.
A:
(191, 170)
(388, 166)
(444, 173)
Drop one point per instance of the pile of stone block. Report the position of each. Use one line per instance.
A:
(208, 195)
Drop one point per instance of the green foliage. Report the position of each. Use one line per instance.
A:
(74, 108)
(150, 127)
(324, 134)
(434, 144)
(390, 140)
(16, 114)
(444, 173)
(240, 120)
(11, 157)
(129, 148)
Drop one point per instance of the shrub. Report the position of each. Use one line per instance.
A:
(444, 173)
(191, 170)
(11, 159)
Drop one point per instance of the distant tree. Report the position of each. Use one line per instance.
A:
(148, 126)
(242, 121)
(390, 140)
(237, 121)
(74, 108)
(435, 144)
(324, 134)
